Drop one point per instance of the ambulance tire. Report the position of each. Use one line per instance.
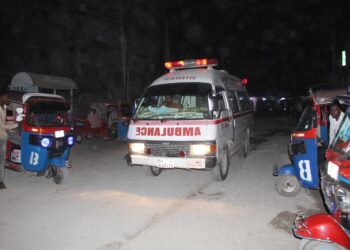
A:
(152, 171)
(245, 147)
(220, 172)
(287, 185)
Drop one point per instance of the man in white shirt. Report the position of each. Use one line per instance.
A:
(335, 119)
(4, 127)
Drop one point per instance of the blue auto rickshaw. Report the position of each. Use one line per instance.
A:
(46, 136)
(307, 146)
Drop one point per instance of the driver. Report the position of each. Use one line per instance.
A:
(335, 119)
(170, 103)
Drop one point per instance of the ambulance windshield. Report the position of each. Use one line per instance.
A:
(180, 101)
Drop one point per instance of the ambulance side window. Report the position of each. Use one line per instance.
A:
(233, 101)
(244, 101)
(220, 92)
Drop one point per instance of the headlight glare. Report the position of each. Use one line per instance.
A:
(137, 148)
(70, 140)
(45, 142)
(202, 149)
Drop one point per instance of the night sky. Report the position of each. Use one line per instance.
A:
(283, 44)
(287, 45)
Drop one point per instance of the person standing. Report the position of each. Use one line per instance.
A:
(4, 126)
(335, 118)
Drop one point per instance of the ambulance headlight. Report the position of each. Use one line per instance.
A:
(202, 149)
(45, 142)
(137, 148)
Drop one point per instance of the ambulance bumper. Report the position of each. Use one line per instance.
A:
(168, 162)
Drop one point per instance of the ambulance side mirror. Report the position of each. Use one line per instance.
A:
(19, 116)
(213, 102)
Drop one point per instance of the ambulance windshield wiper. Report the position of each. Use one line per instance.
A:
(159, 115)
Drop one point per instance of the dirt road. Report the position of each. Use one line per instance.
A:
(108, 205)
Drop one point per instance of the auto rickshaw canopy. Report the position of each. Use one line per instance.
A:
(327, 96)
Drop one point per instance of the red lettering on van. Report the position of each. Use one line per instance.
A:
(168, 131)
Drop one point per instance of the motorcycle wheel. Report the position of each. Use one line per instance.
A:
(152, 171)
(287, 185)
(220, 172)
(318, 245)
(60, 175)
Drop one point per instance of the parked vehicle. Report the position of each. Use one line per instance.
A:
(114, 122)
(331, 231)
(193, 117)
(307, 147)
(46, 136)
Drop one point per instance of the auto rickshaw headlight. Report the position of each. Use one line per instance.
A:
(45, 142)
(70, 140)
(137, 148)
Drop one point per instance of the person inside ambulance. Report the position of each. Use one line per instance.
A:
(168, 106)
(169, 102)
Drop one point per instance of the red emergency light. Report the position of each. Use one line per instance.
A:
(244, 81)
(192, 63)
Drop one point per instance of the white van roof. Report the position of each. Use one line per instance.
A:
(199, 75)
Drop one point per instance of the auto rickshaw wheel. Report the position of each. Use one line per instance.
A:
(287, 185)
(306, 244)
(152, 171)
(79, 138)
(220, 172)
(60, 175)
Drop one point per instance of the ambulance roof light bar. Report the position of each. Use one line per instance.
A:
(191, 63)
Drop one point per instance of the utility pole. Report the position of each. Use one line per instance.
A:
(124, 50)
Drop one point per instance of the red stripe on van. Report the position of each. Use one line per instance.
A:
(188, 122)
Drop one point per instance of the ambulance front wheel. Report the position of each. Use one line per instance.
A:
(152, 171)
(287, 185)
(219, 172)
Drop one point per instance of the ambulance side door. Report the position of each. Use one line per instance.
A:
(233, 101)
(224, 129)
(244, 118)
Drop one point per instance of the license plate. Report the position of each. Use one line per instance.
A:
(166, 164)
(59, 134)
(16, 156)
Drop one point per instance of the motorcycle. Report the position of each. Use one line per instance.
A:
(46, 137)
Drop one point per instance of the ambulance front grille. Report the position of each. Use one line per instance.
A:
(167, 149)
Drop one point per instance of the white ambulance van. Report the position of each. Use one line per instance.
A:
(193, 117)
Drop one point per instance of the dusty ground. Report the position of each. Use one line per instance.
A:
(108, 205)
